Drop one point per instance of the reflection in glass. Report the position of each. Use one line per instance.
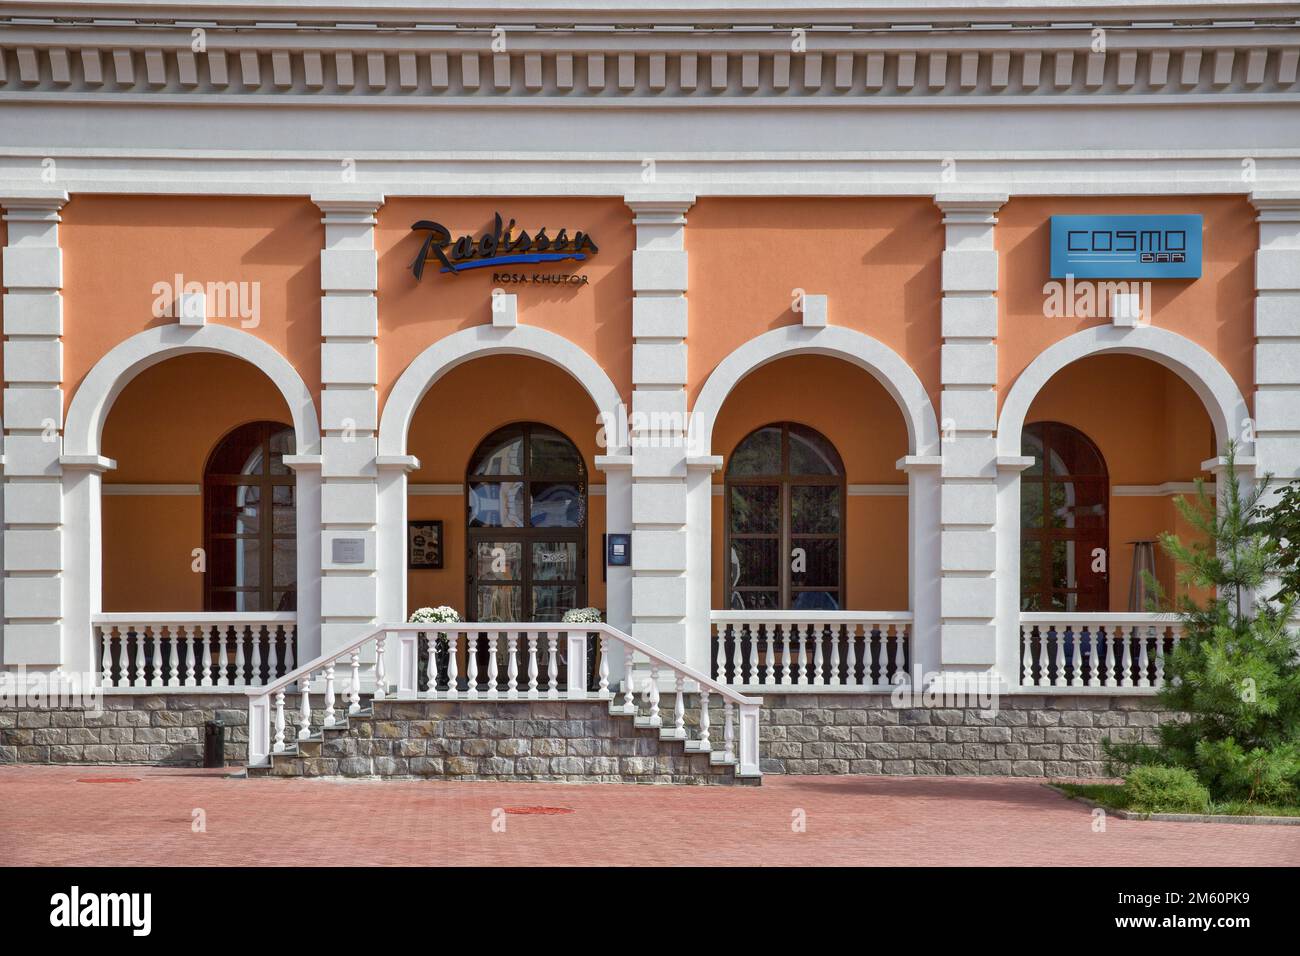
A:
(555, 560)
(812, 454)
(550, 601)
(498, 560)
(501, 453)
(785, 519)
(758, 454)
(815, 509)
(755, 509)
(551, 454)
(1064, 520)
(496, 504)
(499, 602)
(755, 562)
(557, 504)
(819, 559)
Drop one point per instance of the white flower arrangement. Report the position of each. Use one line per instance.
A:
(582, 615)
(442, 614)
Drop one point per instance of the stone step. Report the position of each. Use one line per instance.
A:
(426, 752)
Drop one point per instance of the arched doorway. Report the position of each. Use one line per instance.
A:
(1065, 521)
(250, 521)
(785, 491)
(526, 525)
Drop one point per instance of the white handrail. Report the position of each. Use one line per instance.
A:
(260, 699)
(1098, 617)
(196, 617)
(799, 617)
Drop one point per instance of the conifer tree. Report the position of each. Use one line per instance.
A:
(1235, 674)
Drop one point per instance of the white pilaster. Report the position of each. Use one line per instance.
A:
(1277, 336)
(663, 571)
(349, 494)
(968, 593)
(924, 505)
(32, 273)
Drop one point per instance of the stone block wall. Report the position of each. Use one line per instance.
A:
(154, 729)
(1030, 735)
(501, 740)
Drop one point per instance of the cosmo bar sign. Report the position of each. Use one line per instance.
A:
(500, 245)
(1126, 247)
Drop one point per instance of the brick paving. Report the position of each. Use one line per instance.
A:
(48, 816)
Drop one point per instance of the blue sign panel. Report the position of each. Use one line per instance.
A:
(1126, 247)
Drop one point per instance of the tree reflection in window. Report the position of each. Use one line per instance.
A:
(1064, 521)
(249, 521)
(785, 492)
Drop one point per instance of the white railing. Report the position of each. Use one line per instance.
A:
(1114, 652)
(146, 653)
(814, 652)
(532, 661)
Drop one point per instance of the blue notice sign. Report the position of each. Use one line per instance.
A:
(1126, 247)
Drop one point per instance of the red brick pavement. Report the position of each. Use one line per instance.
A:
(49, 817)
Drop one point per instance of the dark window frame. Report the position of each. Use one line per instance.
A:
(528, 534)
(1088, 600)
(785, 536)
(269, 595)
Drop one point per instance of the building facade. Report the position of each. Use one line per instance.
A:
(768, 333)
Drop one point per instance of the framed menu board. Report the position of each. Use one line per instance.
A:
(424, 545)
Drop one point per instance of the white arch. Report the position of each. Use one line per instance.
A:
(886, 365)
(461, 347)
(1193, 364)
(112, 373)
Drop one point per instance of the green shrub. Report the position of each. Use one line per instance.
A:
(1235, 675)
(1153, 789)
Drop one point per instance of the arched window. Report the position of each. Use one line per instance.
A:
(526, 510)
(1064, 523)
(249, 523)
(785, 521)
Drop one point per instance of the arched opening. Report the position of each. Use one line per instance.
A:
(158, 508)
(1113, 439)
(199, 545)
(508, 496)
(784, 500)
(1064, 521)
(1120, 436)
(526, 525)
(250, 521)
(812, 542)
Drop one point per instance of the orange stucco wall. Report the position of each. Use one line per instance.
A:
(864, 423)
(115, 248)
(161, 430)
(1216, 311)
(877, 259)
(596, 316)
(458, 412)
(1150, 428)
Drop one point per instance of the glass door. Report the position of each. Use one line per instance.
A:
(527, 524)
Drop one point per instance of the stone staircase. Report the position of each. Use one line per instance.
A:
(573, 741)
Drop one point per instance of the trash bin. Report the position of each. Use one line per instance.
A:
(214, 744)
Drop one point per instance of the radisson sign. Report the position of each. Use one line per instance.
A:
(498, 246)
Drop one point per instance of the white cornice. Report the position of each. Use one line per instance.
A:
(127, 64)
